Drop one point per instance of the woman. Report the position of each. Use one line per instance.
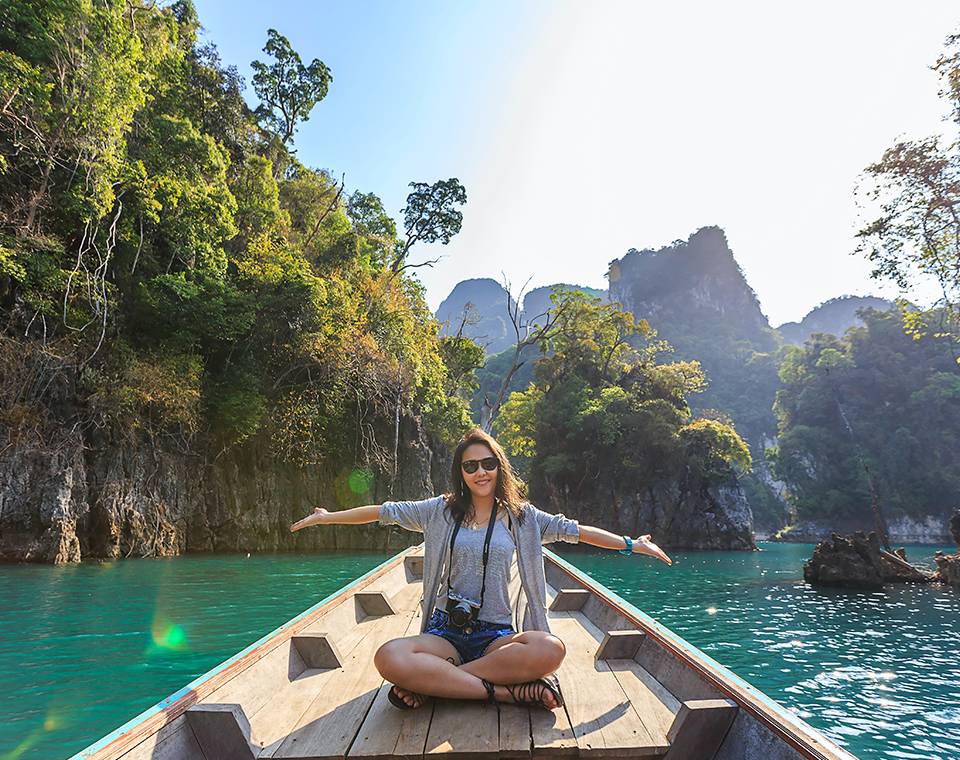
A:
(468, 647)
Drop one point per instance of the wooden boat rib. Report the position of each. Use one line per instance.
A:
(309, 689)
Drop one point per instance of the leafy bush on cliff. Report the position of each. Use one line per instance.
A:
(192, 275)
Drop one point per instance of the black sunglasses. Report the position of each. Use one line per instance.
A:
(488, 463)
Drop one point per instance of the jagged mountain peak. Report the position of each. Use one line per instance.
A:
(696, 281)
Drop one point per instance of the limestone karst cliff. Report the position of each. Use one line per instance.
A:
(116, 496)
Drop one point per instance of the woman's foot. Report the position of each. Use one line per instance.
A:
(544, 692)
(410, 698)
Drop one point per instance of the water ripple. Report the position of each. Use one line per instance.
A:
(876, 671)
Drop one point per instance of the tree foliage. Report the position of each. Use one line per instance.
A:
(196, 279)
(901, 400)
(603, 413)
(430, 216)
(914, 192)
(287, 89)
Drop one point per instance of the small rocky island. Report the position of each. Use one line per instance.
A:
(948, 565)
(858, 561)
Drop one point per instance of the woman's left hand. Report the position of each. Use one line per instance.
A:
(643, 545)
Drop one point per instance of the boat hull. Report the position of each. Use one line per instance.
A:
(308, 689)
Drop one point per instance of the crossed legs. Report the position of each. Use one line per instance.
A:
(428, 664)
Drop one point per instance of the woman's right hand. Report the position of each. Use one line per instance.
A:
(317, 517)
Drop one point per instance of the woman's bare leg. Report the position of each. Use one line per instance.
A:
(428, 664)
(518, 657)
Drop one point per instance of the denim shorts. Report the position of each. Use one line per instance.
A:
(469, 646)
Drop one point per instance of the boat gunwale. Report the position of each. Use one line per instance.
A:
(155, 718)
(800, 735)
(771, 714)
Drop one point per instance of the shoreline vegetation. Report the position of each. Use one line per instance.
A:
(201, 337)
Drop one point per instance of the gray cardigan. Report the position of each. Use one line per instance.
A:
(431, 518)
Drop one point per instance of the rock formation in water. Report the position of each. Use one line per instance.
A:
(948, 565)
(695, 295)
(857, 561)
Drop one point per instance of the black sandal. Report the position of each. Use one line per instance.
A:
(397, 701)
(531, 692)
(491, 694)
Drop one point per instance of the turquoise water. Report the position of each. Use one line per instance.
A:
(877, 672)
(85, 648)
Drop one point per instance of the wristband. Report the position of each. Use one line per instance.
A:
(629, 547)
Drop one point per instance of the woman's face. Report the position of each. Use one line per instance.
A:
(481, 482)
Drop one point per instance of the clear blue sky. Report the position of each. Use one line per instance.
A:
(583, 129)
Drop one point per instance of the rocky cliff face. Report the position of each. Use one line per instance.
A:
(480, 306)
(102, 497)
(96, 496)
(716, 518)
(677, 286)
(483, 303)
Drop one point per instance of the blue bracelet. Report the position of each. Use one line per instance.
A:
(629, 547)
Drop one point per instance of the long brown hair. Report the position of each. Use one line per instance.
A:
(509, 488)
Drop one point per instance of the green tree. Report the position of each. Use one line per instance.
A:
(915, 191)
(287, 89)
(430, 216)
(602, 413)
(235, 304)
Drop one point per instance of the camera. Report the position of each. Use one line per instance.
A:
(463, 612)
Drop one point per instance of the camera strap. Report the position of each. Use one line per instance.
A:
(486, 550)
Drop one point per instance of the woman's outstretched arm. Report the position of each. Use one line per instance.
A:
(355, 516)
(607, 540)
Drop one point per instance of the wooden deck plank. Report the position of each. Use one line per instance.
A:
(656, 706)
(463, 729)
(515, 734)
(602, 716)
(175, 741)
(550, 730)
(551, 733)
(328, 726)
(387, 732)
(258, 686)
(283, 711)
(253, 687)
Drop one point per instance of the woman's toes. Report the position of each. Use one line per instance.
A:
(408, 697)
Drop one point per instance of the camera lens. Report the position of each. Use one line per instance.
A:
(460, 614)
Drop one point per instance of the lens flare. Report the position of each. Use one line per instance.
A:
(22, 747)
(54, 719)
(169, 636)
(361, 479)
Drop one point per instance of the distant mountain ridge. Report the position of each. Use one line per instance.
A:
(479, 306)
(835, 316)
(478, 309)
